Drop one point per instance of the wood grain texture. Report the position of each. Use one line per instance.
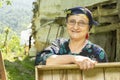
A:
(112, 73)
(105, 28)
(118, 45)
(47, 75)
(56, 74)
(73, 66)
(60, 74)
(93, 74)
(102, 71)
(74, 74)
(2, 69)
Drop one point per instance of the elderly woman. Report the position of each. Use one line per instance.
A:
(77, 49)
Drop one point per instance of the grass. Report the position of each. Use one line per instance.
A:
(21, 68)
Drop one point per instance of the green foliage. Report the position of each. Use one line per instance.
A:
(15, 15)
(0, 4)
(8, 2)
(20, 70)
(12, 43)
(18, 66)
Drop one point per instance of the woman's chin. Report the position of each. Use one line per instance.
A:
(75, 37)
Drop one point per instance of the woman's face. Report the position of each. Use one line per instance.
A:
(78, 26)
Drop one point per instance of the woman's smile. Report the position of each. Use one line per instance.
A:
(75, 31)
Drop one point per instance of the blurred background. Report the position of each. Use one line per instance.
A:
(28, 26)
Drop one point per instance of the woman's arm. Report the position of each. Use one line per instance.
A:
(83, 62)
(60, 59)
(51, 50)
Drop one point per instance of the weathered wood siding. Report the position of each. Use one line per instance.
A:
(49, 23)
(50, 9)
(105, 34)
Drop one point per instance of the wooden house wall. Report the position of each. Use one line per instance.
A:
(49, 23)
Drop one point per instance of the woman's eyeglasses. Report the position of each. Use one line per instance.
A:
(80, 23)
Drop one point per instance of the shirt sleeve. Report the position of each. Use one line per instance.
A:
(42, 56)
(101, 55)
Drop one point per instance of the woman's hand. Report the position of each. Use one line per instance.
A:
(84, 63)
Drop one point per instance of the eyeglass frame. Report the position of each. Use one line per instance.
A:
(80, 23)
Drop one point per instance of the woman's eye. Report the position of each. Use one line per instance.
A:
(72, 21)
(81, 23)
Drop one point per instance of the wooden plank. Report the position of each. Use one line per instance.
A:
(93, 74)
(73, 66)
(105, 12)
(36, 74)
(118, 6)
(108, 28)
(99, 10)
(40, 75)
(53, 33)
(118, 45)
(63, 74)
(112, 73)
(47, 75)
(56, 74)
(2, 69)
(74, 74)
(108, 19)
(40, 43)
(43, 75)
(0, 76)
(59, 74)
(102, 3)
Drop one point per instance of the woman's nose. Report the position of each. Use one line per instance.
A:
(76, 26)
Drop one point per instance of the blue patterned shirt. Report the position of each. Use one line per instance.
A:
(60, 47)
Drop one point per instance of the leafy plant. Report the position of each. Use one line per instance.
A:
(18, 66)
(8, 2)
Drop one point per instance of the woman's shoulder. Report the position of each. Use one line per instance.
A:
(60, 41)
(98, 51)
(56, 44)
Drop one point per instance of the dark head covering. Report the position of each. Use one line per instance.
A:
(81, 10)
